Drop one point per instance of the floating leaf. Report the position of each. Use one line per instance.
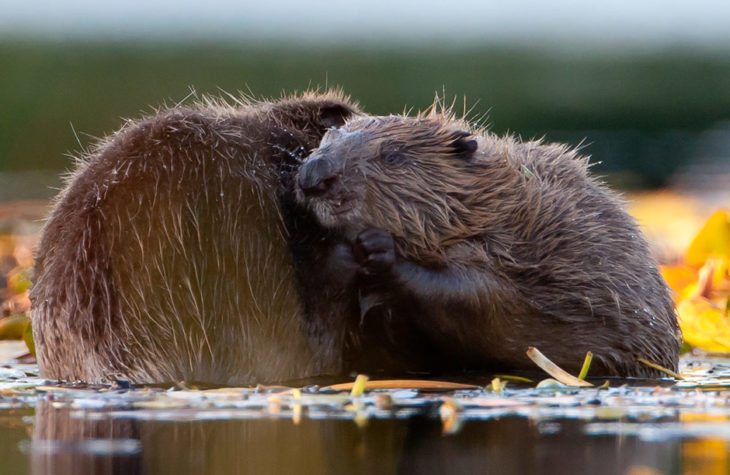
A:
(658, 367)
(554, 370)
(384, 402)
(586, 365)
(513, 378)
(497, 386)
(358, 387)
(405, 384)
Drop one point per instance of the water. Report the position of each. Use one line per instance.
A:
(505, 445)
(633, 426)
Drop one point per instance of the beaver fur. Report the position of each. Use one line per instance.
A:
(166, 257)
(472, 247)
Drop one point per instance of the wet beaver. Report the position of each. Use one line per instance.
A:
(472, 247)
(166, 256)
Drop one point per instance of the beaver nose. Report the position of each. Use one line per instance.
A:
(316, 177)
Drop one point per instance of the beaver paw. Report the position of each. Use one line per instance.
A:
(374, 251)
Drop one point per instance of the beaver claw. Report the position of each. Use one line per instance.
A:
(374, 251)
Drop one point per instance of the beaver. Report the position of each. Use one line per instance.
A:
(166, 256)
(472, 247)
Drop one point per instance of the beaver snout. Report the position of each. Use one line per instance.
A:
(317, 177)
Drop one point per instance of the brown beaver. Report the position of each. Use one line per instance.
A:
(472, 247)
(166, 257)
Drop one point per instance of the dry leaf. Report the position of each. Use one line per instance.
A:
(426, 385)
(554, 370)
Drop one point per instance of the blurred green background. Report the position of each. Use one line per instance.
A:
(645, 110)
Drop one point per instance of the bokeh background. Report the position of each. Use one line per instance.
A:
(644, 86)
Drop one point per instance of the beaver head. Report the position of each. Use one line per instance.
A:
(300, 121)
(417, 177)
(515, 238)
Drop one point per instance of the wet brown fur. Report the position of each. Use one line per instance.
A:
(501, 244)
(165, 257)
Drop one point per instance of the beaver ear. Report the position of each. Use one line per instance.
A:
(464, 143)
(334, 115)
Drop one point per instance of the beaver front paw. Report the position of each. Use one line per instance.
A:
(374, 251)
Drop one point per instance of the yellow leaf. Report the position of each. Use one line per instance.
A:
(358, 387)
(586, 365)
(497, 385)
(28, 338)
(705, 324)
(721, 278)
(679, 276)
(713, 240)
(668, 219)
(12, 327)
(19, 280)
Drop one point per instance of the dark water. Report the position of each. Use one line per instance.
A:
(59, 441)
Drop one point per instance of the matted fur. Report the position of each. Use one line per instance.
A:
(531, 249)
(165, 257)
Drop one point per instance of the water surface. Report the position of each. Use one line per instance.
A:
(633, 426)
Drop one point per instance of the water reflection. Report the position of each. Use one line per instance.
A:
(61, 444)
(65, 444)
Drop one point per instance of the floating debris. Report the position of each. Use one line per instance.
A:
(586, 366)
(358, 387)
(554, 370)
(449, 412)
(657, 367)
(629, 403)
(421, 384)
(497, 386)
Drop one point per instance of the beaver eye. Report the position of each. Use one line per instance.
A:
(394, 158)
